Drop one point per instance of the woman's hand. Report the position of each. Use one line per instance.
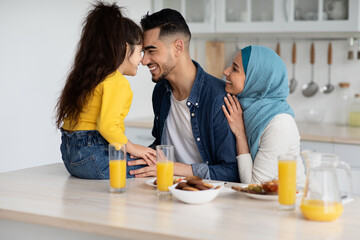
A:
(138, 151)
(234, 116)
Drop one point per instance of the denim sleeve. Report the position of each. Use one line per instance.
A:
(201, 170)
(225, 168)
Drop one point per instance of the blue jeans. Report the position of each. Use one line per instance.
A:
(86, 155)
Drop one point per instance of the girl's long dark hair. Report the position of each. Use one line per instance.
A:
(100, 51)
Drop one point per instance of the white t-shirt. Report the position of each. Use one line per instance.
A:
(281, 136)
(178, 132)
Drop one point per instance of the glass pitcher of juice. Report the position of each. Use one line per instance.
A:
(322, 200)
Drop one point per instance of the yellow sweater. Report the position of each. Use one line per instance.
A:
(106, 109)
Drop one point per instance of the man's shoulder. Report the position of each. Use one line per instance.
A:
(212, 93)
(209, 81)
(213, 86)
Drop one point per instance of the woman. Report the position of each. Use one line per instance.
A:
(259, 115)
(97, 97)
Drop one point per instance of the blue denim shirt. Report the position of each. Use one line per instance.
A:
(214, 139)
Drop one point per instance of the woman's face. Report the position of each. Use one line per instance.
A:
(132, 62)
(235, 75)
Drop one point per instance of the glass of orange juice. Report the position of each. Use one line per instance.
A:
(117, 167)
(164, 168)
(287, 181)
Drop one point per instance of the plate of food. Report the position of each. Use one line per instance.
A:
(153, 181)
(267, 190)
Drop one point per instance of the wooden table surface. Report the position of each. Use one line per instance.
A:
(48, 196)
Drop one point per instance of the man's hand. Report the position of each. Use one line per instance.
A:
(180, 169)
(149, 171)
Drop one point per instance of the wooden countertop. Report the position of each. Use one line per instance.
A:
(47, 195)
(327, 132)
(140, 122)
(324, 132)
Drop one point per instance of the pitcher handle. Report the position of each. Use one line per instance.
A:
(347, 198)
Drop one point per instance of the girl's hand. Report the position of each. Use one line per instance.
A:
(139, 151)
(234, 115)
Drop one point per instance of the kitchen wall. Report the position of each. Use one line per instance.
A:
(37, 44)
(342, 69)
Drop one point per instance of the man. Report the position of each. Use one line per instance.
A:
(187, 103)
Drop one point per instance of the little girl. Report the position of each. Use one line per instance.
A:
(97, 97)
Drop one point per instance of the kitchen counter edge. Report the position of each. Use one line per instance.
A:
(322, 132)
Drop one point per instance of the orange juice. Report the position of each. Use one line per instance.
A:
(287, 182)
(321, 210)
(165, 174)
(117, 173)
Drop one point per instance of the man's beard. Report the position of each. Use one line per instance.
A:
(167, 68)
(159, 79)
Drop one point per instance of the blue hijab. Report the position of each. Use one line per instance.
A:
(265, 92)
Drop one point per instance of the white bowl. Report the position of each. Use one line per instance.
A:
(314, 115)
(196, 197)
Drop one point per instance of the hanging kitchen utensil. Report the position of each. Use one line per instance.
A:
(311, 88)
(215, 58)
(278, 48)
(328, 88)
(293, 82)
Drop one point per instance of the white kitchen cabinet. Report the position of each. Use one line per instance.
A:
(267, 16)
(355, 173)
(254, 16)
(248, 16)
(349, 153)
(139, 135)
(199, 14)
(343, 181)
(322, 15)
(317, 146)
